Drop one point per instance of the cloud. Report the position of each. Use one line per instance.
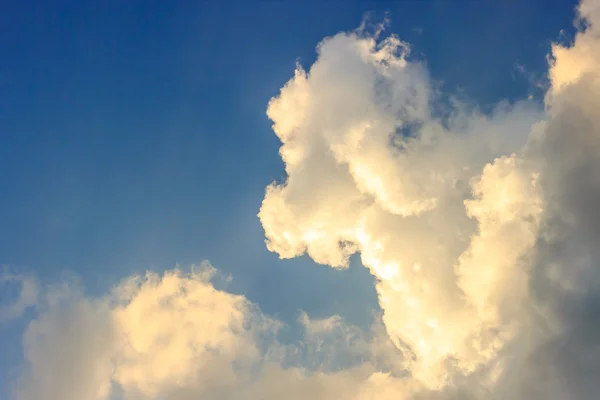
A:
(175, 336)
(18, 292)
(480, 229)
(151, 336)
(372, 170)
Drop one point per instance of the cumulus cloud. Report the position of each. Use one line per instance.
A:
(480, 229)
(372, 170)
(151, 336)
(175, 336)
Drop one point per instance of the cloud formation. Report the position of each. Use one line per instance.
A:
(174, 336)
(372, 170)
(481, 230)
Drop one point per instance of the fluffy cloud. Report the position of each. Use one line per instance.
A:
(175, 336)
(372, 170)
(150, 337)
(480, 230)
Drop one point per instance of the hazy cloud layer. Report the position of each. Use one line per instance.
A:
(482, 232)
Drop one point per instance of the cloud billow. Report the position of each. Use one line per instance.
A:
(483, 247)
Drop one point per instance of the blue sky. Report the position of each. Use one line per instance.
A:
(135, 136)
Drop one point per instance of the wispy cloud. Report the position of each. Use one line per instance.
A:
(18, 292)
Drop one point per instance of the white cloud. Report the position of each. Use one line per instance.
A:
(480, 230)
(355, 186)
(175, 336)
(153, 335)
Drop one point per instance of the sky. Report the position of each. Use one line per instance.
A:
(276, 199)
